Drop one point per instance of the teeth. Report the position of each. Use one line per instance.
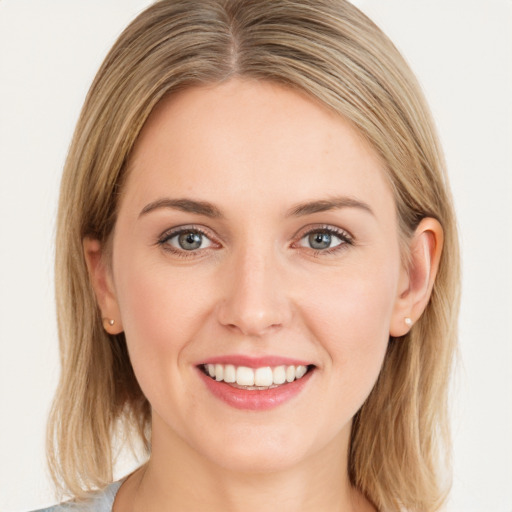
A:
(229, 373)
(300, 371)
(244, 376)
(263, 377)
(279, 375)
(219, 372)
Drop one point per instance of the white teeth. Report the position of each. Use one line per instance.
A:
(263, 377)
(279, 375)
(300, 371)
(229, 373)
(219, 372)
(244, 376)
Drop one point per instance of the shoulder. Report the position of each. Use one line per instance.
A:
(100, 501)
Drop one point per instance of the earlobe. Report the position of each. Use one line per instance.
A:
(418, 278)
(102, 283)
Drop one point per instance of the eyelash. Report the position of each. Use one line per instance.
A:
(344, 236)
(182, 253)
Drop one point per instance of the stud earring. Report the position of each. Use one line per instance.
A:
(408, 321)
(109, 321)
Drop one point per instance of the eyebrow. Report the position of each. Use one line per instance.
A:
(184, 205)
(209, 210)
(323, 205)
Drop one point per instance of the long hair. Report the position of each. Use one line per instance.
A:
(399, 448)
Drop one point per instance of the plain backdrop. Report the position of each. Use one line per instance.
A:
(461, 51)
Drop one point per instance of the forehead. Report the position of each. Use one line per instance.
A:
(243, 139)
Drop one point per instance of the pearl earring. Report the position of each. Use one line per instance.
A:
(110, 321)
(408, 321)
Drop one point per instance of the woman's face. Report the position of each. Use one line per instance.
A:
(256, 230)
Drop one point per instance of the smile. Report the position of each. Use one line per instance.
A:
(255, 384)
(265, 377)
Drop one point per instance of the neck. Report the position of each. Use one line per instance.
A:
(177, 479)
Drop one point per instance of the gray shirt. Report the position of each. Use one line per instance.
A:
(102, 501)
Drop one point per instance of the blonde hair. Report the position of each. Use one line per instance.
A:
(399, 452)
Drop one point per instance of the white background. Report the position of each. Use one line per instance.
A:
(462, 52)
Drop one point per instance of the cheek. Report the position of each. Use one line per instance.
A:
(154, 297)
(354, 301)
(350, 315)
(161, 312)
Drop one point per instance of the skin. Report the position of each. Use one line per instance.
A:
(255, 151)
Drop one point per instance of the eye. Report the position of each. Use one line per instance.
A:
(321, 241)
(325, 239)
(185, 240)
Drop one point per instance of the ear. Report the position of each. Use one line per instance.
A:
(417, 276)
(102, 282)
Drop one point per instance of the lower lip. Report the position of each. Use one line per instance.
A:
(252, 399)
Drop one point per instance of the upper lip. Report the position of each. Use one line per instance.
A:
(255, 362)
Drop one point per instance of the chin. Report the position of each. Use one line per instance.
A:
(258, 462)
(257, 450)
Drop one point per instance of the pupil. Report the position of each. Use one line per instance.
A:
(190, 241)
(320, 240)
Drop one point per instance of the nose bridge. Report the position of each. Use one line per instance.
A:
(254, 299)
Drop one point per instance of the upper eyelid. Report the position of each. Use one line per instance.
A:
(171, 232)
(301, 233)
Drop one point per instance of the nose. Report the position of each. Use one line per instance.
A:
(254, 299)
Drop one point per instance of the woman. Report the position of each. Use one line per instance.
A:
(257, 268)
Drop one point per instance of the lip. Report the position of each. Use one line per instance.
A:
(253, 399)
(255, 362)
